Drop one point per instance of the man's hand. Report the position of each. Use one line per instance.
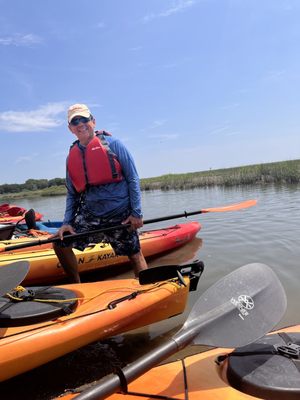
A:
(134, 222)
(62, 230)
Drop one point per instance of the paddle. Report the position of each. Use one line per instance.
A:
(237, 310)
(71, 238)
(11, 275)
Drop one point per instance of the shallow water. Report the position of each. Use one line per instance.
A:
(266, 233)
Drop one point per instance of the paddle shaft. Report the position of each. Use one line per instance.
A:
(233, 207)
(116, 382)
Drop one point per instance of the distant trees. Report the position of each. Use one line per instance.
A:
(30, 185)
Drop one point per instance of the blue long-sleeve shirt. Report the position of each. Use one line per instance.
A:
(112, 198)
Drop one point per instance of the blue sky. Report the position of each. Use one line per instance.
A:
(187, 85)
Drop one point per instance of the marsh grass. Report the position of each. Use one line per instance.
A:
(284, 172)
(277, 172)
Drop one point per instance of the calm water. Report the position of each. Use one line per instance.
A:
(267, 233)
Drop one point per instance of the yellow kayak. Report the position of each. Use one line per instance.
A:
(44, 265)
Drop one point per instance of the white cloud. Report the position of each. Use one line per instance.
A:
(154, 125)
(170, 65)
(274, 75)
(136, 48)
(157, 123)
(23, 159)
(230, 106)
(44, 118)
(225, 130)
(176, 7)
(165, 136)
(20, 40)
(220, 130)
(100, 25)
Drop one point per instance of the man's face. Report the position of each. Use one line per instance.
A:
(83, 128)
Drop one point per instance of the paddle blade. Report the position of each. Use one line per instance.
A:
(11, 275)
(238, 309)
(232, 207)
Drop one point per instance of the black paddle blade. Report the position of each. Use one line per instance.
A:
(30, 219)
(11, 275)
(165, 272)
(238, 309)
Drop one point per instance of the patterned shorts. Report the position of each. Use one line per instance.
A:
(125, 242)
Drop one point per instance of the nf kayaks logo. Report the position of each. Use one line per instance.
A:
(244, 304)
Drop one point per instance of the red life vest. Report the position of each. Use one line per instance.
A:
(95, 165)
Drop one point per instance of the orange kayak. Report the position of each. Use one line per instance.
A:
(53, 321)
(44, 265)
(203, 379)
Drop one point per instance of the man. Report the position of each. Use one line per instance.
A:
(102, 191)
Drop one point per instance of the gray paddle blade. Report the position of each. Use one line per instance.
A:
(238, 309)
(11, 275)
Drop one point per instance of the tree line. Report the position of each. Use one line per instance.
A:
(285, 172)
(31, 184)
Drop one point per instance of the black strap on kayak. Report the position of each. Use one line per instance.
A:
(124, 386)
(123, 381)
(152, 396)
(186, 390)
(113, 304)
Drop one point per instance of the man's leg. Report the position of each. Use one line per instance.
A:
(68, 261)
(138, 262)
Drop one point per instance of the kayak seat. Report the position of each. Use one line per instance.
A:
(269, 368)
(6, 231)
(164, 272)
(16, 211)
(19, 308)
(4, 207)
(30, 219)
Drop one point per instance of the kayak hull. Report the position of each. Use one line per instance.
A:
(23, 348)
(44, 265)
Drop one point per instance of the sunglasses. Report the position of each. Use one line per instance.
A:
(79, 120)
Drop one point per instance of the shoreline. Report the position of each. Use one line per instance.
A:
(284, 172)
